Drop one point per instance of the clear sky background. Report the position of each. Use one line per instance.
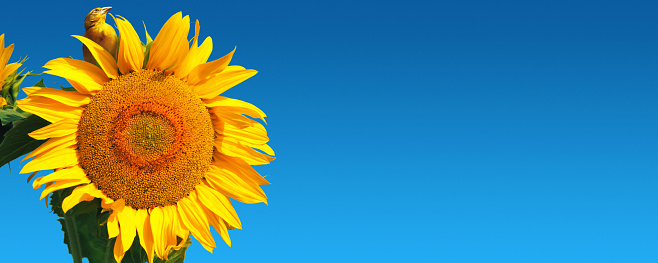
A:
(412, 131)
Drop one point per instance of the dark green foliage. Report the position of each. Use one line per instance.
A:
(81, 226)
(90, 230)
(4, 129)
(17, 143)
(10, 114)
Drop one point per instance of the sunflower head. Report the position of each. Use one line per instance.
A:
(149, 135)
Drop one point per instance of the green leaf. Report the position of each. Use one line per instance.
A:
(9, 115)
(92, 242)
(136, 254)
(56, 200)
(85, 207)
(3, 130)
(85, 219)
(17, 143)
(90, 225)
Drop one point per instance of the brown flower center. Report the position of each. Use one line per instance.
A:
(145, 138)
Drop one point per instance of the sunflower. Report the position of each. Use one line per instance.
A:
(6, 70)
(149, 135)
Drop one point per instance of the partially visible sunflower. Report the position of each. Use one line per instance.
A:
(6, 70)
(149, 136)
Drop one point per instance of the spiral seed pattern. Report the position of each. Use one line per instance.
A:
(145, 138)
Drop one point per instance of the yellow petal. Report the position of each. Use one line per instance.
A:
(49, 109)
(5, 54)
(177, 227)
(239, 168)
(170, 45)
(104, 58)
(237, 106)
(119, 251)
(190, 60)
(62, 128)
(248, 135)
(195, 220)
(11, 68)
(265, 148)
(127, 225)
(202, 72)
(234, 187)
(131, 56)
(61, 185)
(143, 223)
(204, 51)
(53, 144)
(69, 98)
(237, 120)
(113, 221)
(79, 194)
(72, 173)
(113, 226)
(232, 147)
(157, 220)
(169, 236)
(218, 204)
(222, 82)
(219, 225)
(85, 77)
(62, 158)
(2, 42)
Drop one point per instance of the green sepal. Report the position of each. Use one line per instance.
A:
(147, 47)
(147, 52)
(65, 88)
(7, 92)
(16, 84)
(148, 37)
(17, 143)
(39, 84)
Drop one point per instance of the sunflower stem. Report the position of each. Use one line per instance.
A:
(74, 239)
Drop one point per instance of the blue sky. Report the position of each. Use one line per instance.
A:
(443, 131)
